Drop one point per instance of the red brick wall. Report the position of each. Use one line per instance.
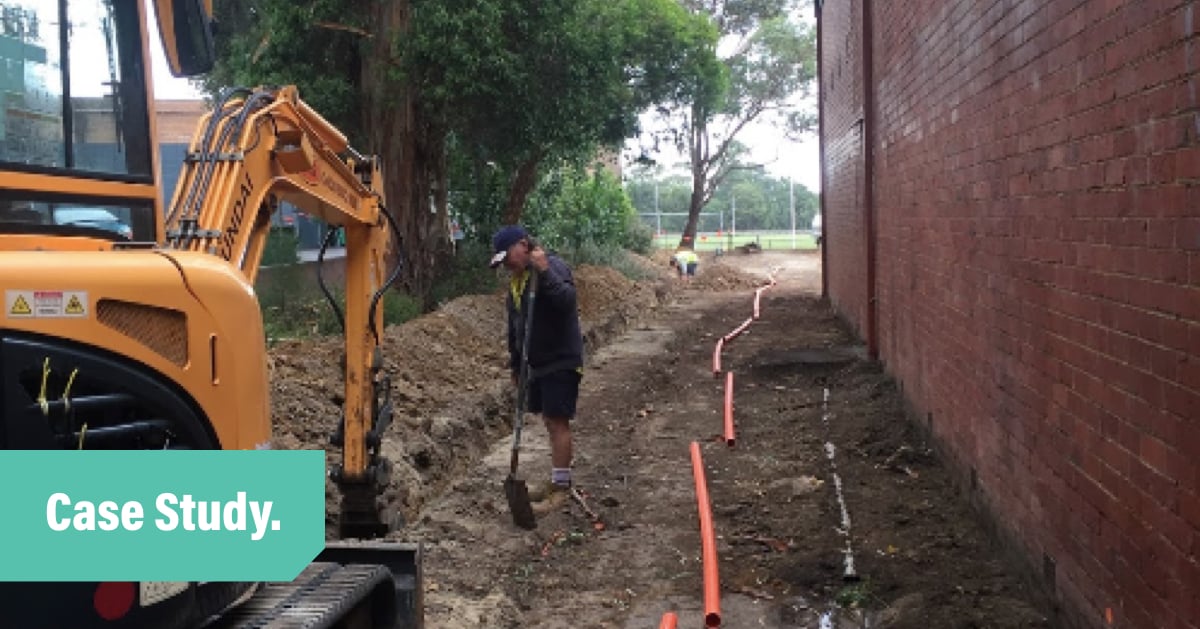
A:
(844, 226)
(1037, 194)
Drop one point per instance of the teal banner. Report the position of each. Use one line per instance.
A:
(160, 515)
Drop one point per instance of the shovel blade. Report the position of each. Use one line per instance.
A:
(519, 504)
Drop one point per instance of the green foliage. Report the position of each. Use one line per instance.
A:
(519, 77)
(293, 305)
(467, 273)
(312, 45)
(282, 247)
(610, 255)
(513, 86)
(572, 207)
(519, 83)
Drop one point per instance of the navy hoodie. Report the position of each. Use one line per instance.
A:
(556, 338)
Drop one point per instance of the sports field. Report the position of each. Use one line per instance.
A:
(710, 241)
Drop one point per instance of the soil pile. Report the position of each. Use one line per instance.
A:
(715, 275)
(450, 386)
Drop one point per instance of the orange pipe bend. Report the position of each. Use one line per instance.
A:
(669, 621)
(729, 408)
(717, 357)
(708, 544)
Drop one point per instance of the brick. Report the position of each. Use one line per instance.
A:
(1050, 234)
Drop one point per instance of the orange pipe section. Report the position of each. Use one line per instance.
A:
(729, 408)
(717, 357)
(669, 621)
(738, 330)
(708, 544)
(757, 295)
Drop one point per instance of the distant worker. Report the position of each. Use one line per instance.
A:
(555, 350)
(685, 261)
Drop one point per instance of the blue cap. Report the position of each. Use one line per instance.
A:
(506, 237)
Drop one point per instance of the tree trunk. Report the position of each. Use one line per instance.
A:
(698, 157)
(695, 205)
(413, 157)
(523, 182)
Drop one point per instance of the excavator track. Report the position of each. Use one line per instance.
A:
(323, 596)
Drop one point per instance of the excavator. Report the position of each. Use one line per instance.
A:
(131, 321)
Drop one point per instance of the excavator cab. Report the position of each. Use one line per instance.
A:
(130, 319)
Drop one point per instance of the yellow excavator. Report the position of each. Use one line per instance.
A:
(131, 322)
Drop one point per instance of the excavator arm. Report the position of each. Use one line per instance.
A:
(264, 146)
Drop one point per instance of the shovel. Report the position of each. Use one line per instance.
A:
(514, 488)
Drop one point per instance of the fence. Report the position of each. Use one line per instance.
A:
(725, 241)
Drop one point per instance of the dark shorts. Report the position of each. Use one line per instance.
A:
(555, 394)
(691, 268)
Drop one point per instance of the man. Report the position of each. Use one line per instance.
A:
(555, 349)
(685, 260)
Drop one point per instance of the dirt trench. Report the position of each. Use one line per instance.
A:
(919, 556)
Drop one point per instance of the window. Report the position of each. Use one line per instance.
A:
(72, 89)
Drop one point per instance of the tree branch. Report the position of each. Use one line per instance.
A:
(342, 27)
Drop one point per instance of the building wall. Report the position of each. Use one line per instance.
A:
(1037, 270)
(842, 118)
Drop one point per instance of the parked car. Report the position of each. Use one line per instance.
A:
(98, 218)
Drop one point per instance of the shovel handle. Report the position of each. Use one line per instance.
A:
(523, 377)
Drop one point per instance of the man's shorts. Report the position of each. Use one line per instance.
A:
(691, 268)
(555, 394)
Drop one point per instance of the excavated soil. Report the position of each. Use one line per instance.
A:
(920, 557)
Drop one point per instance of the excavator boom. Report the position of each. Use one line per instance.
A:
(264, 146)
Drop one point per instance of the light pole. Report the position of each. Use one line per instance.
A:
(657, 213)
(792, 207)
(733, 217)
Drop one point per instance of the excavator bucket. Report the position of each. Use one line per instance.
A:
(372, 584)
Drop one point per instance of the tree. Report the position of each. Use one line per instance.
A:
(521, 83)
(494, 89)
(341, 55)
(772, 63)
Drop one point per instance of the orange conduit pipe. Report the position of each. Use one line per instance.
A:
(717, 357)
(669, 621)
(729, 408)
(738, 330)
(708, 544)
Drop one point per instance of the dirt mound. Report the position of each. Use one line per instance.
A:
(714, 275)
(449, 382)
(657, 264)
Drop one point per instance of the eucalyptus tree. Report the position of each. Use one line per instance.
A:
(525, 84)
(770, 65)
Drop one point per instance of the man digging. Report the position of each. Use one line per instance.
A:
(555, 350)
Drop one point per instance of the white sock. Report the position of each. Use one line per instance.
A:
(560, 475)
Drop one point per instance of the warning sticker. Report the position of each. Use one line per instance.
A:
(75, 307)
(18, 306)
(45, 304)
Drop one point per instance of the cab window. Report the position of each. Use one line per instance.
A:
(72, 92)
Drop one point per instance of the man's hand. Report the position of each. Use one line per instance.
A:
(537, 257)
